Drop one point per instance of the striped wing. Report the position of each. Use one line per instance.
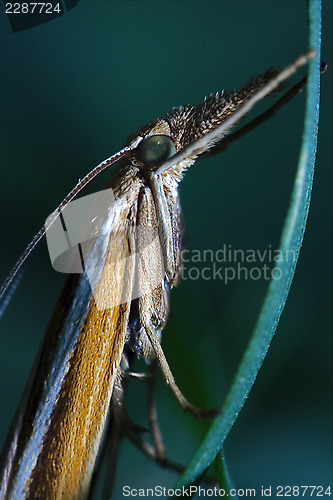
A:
(56, 435)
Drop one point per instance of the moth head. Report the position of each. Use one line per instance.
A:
(154, 150)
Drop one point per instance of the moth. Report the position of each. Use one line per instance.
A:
(116, 306)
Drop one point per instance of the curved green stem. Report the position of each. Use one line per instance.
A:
(291, 242)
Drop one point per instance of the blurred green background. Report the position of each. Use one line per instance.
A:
(72, 90)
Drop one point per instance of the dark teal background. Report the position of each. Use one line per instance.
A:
(72, 90)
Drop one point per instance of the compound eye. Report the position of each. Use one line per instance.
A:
(155, 150)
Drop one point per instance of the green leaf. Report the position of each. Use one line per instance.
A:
(223, 474)
(291, 242)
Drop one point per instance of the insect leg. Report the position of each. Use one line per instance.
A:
(152, 415)
(170, 380)
(164, 225)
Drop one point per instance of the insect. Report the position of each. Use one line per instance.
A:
(117, 306)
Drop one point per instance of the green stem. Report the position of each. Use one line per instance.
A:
(291, 242)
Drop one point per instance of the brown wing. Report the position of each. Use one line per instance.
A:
(65, 413)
